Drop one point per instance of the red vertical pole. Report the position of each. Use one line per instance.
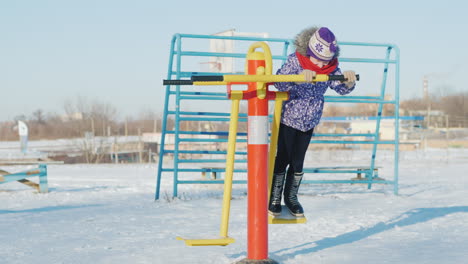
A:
(257, 159)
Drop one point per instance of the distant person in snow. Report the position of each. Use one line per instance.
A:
(316, 53)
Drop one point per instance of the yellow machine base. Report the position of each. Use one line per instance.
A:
(221, 241)
(286, 218)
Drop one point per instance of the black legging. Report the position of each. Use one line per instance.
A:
(292, 147)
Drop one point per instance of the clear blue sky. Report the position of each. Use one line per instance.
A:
(117, 51)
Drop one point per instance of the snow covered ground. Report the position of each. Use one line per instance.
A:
(107, 214)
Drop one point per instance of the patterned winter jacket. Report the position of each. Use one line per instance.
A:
(304, 108)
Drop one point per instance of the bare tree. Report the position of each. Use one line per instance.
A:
(38, 117)
(83, 115)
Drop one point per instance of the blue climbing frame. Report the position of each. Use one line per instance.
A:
(176, 94)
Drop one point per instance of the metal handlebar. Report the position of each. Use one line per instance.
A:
(225, 79)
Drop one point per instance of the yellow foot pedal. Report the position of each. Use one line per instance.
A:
(220, 241)
(286, 218)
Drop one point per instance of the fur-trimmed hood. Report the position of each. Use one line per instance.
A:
(302, 41)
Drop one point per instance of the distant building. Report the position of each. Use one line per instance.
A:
(73, 116)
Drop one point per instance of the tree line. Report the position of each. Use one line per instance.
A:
(81, 116)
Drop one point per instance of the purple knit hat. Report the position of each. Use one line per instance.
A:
(322, 45)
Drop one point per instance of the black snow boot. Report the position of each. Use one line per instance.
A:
(274, 207)
(293, 181)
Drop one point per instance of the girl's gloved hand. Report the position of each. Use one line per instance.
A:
(350, 77)
(309, 75)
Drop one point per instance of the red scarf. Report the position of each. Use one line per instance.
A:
(309, 65)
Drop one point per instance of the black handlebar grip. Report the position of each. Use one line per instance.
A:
(177, 82)
(208, 78)
(340, 77)
(336, 78)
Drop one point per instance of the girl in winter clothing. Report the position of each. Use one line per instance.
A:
(316, 53)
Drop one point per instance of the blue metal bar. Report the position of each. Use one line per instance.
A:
(341, 167)
(353, 118)
(350, 100)
(347, 181)
(312, 170)
(43, 183)
(379, 112)
(304, 181)
(18, 176)
(203, 170)
(212, 182)
(354, 97)
(177, 121)
(207, 161)
(365, 44)
(164, 124)
(208, 140)
(343, 135)
(205, 152)
(397, 115)
(213, 98)
(206, 113)
(219, 54)
(221, 133)
(368, 60)
(211, 119)
(242, 55)
(202, 93)
(332, 118)
(235, 38)
(353, 142)
(185, 74)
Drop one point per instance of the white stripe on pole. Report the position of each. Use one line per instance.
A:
(258, 130)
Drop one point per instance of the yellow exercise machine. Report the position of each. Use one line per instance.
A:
(257, 77)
